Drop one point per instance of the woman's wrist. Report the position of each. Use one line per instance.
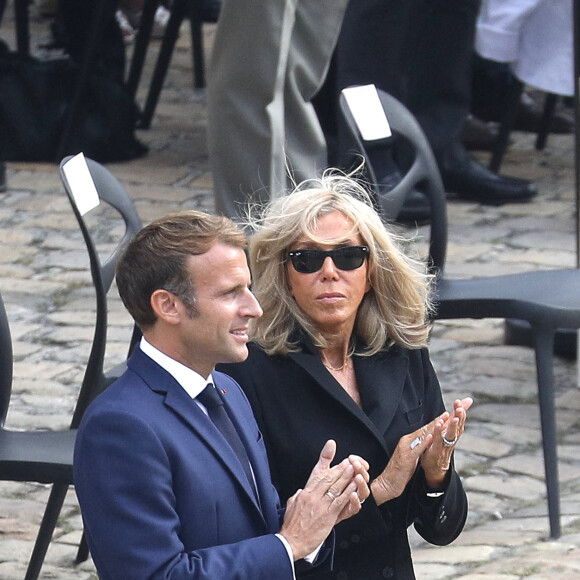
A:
(380, 491)
(437, 482)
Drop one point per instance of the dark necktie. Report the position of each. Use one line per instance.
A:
(212, 401)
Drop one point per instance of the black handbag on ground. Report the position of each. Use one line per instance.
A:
(34, 102)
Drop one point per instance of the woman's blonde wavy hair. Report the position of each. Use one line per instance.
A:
(394, 311)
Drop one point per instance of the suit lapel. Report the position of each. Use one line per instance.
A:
(260, 468)
(180, 403)
(380, 381)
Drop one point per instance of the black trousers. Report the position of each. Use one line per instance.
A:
(420, 51)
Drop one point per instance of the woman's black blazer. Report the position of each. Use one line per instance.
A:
(299, 406)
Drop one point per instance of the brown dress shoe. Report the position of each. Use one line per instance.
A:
(479, 135)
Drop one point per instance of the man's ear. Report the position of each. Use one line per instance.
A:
(166, 306)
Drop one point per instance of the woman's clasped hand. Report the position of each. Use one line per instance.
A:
(432, 445)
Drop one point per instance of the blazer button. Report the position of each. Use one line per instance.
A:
(343, 545)
(388, 572)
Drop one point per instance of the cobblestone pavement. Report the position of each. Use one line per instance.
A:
(45, 283)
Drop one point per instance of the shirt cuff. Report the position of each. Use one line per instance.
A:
(289, 551)
(310, 558)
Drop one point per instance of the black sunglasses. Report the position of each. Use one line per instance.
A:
(346, 258)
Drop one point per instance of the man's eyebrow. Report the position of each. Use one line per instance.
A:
(232, 287)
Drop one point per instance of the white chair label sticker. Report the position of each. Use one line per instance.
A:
(81, 184)
(368, 113)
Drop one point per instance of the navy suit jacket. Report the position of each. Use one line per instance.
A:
(163, 495)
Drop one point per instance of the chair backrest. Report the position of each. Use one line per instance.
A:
(6, 362)
(111, 191)
(423, 172)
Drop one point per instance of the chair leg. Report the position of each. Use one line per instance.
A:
(544, 347)
(196, 25)
(506, 125)
(2, 9)
(22, 31)
(141, 45)
(178, 12)
(83, 551)
(546, 120)
(49, 520)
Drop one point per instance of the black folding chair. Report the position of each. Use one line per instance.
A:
(47, 456)
(547, 300)
(180, 10)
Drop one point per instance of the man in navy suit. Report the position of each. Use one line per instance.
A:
(162, 493)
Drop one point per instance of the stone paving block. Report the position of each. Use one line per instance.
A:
(479, 536)
(36, 422)
(534, 528)
(520, 415)
(20, 254)
(59, 242)
(16, 550)
(482, 335)
(533, 465)
(483, 445)
(485, 504)
(515, 435)
(68, 317)
(506, 485)
(167, 195)
(434, 571)
(500, 361)
(553, 259)
(12, 239)
(553, 239)
(512, 415)
(28, 286)
(500, 387)
(452, 553)
(67, 334)
(47, 370)
(570, 399)
(536, 567)
(35, 180)
(58, 216)
(76, 259)
(477, 576)
(569, 452)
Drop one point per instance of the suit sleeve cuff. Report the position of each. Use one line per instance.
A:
(288, 551)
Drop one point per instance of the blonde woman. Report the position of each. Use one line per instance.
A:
(340, 352)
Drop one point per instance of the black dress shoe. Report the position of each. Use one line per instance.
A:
(470, 180)
(2, 176)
